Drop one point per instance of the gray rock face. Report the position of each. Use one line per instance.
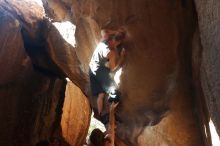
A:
(209, 25)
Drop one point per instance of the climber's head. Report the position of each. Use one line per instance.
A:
(115, 39)
(97, 137)
(106, 33)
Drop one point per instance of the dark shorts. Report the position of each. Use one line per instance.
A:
(101, 82)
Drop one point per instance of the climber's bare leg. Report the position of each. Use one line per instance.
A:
(111, 129)
(100, 102)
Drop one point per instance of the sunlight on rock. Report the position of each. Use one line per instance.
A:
(67, 30)
(205, 128)
(67, 79)
(39, 2)
(117, 76)
(214, 134)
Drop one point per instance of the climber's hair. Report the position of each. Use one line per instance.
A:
(97, 137)
(105, 34)
(119, 36)
(108, 35)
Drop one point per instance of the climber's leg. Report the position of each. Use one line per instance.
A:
(112, 124)
(100, 102)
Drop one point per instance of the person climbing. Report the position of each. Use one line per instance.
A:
(106, 59)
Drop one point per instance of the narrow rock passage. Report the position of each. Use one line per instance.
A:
(169, 82)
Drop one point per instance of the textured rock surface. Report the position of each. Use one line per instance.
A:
(75, 119)
(32, 84)
(157, 73)
(65, 57)
(209, 22)
(157, 106)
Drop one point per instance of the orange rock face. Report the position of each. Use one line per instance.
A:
(75, 119)
(157, 106)
(156, 78)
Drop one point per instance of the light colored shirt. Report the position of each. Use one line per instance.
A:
(99, 57)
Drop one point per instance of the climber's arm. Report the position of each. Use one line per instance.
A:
(119, 62)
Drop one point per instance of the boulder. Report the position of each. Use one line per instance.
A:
(32, 82)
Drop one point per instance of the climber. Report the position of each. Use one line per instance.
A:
(106, 59)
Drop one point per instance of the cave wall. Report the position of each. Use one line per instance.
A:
(156, 80)
(32, 81)
(200, 101)
(164, 55)
(75, 120)
(28, 97)
(209, 22)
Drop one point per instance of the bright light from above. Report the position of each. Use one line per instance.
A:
(117, 76)
(67, 30)
(214, 134)
(67, 79)
(39, 2)
(117, 80)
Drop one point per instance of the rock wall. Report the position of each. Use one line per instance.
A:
(156, 80)
(209, 22)
(169, 84)
(75, 120)
(35, 60)
(200, 101)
